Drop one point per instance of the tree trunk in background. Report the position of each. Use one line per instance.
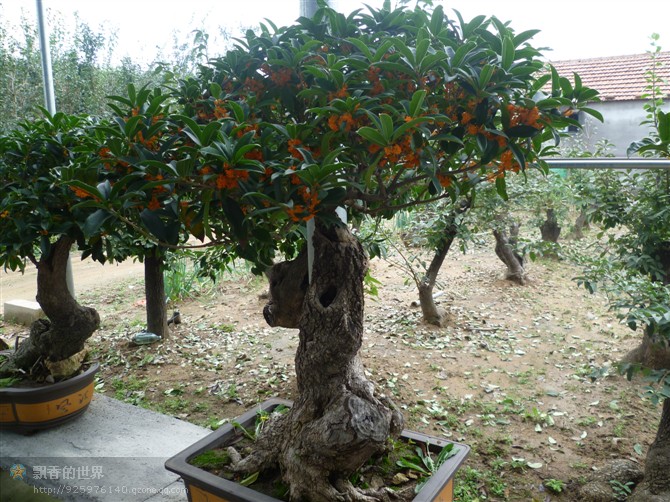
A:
(654, 352)
(549, 229)
(581, 223)
(337, 422)
(431, 314)
(505, 251)
(69, 324)
(656, 484)
(154, 285)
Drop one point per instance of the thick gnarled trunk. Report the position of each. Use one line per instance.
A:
(69, 324)
(504, 249)
(656, 484)
(337, 422)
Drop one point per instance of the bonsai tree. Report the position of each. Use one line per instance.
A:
(39, 225)
(270, 146)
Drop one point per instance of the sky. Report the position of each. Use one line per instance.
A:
(580, 29)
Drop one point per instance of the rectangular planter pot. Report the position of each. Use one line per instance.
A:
(30, 409)
(203, 486)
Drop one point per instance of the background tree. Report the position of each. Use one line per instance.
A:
(635, 272)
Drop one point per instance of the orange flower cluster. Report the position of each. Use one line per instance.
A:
(373, 78)
(80, 192)
(256, 154)
(281, 77)
(293, 143)
(106, 153)
(508, 162)
(230, 178)
(150, 143)
(241, 132)
(340, 93)
(254, 85)
(401, 152)
(158, 189)
(523, 116)
(219, 109)
(444, 179)
(392, 154)
(306, 211)
(454, 95)
(4, 214)
(335, 122)
(154, 204)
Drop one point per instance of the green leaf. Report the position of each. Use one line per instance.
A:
(437, 20)
(524, 36)
(593, 113)
(461, 52)
(417, 102)
(447, 452)
(234, 214)
(508, 53)
(95, 221)
(154, 224)
(372, 135)
(485, 75)
(249, 480)
(386, 125)
(403, 462)
(501, 187)
(663, 126)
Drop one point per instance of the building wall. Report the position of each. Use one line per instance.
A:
(621, 126)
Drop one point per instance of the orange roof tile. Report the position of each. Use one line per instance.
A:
(618, 78)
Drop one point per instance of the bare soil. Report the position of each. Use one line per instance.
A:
(509, 375)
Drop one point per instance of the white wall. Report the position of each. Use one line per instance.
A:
(621, 126)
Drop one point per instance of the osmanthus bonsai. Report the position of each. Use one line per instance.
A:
(39, 225)
(266, 150)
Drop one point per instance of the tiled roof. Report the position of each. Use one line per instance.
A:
(618, 78)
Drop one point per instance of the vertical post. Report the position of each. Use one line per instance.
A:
(47, 73)
(308, 8)
(50, 100)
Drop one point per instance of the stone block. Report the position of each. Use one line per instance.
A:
(22, 312)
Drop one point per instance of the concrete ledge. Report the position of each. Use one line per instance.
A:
(22, 312)
(114, 452)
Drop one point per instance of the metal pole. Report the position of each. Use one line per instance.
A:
(608, 163)
(50, 101)
(47, 73)
(308, 8)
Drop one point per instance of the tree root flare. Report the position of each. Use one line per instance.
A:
(353, 494)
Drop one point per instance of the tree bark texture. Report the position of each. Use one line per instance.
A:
(154, 284)
(504, 249)
(69, 324)
(549, 229)
(663, 257)
(431, 314)
(581, 223)
(337, 422)
(656, 484)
